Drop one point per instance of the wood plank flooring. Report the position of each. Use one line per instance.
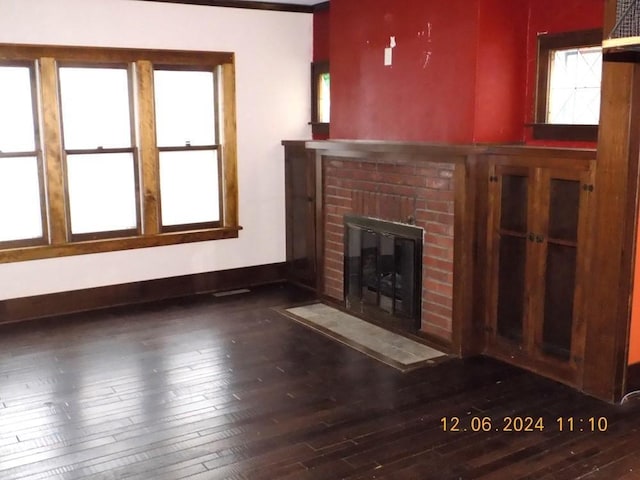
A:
(227, 388)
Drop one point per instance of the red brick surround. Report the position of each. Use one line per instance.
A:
(411, 190)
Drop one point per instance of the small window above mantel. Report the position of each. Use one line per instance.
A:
(320, 99)
(568, 87)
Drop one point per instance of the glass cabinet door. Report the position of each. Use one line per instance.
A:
(560, 250)
(512, 229)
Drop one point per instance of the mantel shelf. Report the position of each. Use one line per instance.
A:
(630, 43)
(623, 49)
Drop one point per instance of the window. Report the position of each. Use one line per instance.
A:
(20, 163)
(111, 149)
(320, 98)
(98, 141)
(568, 93)
(186, 132)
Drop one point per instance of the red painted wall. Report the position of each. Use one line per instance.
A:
(463, 70)
(501, 72)
(428, 92)
(321, 28)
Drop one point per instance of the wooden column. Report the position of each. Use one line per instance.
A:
(53, 151)
(150, 181)
(608, 285)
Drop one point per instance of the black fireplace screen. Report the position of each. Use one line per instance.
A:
(383, 268)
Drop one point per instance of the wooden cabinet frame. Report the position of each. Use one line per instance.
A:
(530, 351)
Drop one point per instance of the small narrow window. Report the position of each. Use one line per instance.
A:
(320, 98)
(569, 78)
(101, 168)
(22, 220)
(324, 97)
(188, 145)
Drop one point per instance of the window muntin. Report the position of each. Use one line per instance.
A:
(574, 86)
(186, 133)
(100, 162)
(21, 185)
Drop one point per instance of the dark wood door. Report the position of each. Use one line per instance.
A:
(300, 194)
(538, 258)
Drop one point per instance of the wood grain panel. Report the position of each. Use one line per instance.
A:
(28, 308)
(466, 339)
(96, 55)
(52, 132)
(211, 388)
(229, 147)
(109, 245)
(608, 286)
(150, 180)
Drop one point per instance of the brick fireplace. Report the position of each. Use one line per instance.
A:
(405, 189)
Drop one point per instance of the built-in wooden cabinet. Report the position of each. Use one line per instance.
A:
(538, 260)
(301, 215)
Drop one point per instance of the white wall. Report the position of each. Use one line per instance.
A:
(273, 53)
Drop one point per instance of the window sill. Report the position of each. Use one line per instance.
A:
(115, 244)
(578, 133)
(319, 128)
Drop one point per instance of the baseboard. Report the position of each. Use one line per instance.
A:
(40, 306)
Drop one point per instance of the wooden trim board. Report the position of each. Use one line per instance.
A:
(40, 306)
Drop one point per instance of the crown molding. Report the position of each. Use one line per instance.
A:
(254, 5)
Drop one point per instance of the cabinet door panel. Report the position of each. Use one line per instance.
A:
(300, 210)
(564, 203)
(511, 287)
(560, 282)
(511, 218)
(513, 202)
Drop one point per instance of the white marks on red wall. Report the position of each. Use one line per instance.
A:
(425, 35)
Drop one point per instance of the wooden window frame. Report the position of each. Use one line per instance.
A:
(57, 240)
(37, 153)
(99, 150)
(216, 147)
(317, 69)
(546, 44)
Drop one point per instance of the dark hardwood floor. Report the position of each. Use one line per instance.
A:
(227, 388)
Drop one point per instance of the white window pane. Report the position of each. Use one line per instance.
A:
(102, 192)
(16, 110)
(95, 108)
(324, 98)
(574, 86)
(185, 110)
(189, 187)
(20, 215)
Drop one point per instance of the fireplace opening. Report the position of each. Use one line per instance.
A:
(383, 271)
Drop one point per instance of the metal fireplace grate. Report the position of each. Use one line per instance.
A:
(383, 270)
